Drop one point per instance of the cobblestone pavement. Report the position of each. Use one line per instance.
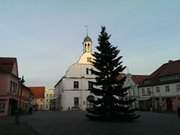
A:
(8, 127)
(75, 123)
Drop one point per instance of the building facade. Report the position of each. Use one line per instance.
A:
(26, 98)
(9, 85)
(38, 93)
(134, 81)
(13, 94)
(71, 91)
(49, 99)
(160, 91)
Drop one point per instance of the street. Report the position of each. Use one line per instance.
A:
(72, 123)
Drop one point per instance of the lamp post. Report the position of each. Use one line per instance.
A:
(21, 84)
(18, 110)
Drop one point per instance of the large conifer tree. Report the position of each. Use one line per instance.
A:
(108, 99)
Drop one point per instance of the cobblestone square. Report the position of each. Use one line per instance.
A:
(75, 123)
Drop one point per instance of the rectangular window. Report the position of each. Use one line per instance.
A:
(167, 89)
(148, 91)
(157, 89)
(178, 87)
(11, 86)
(76, 101)
(2, 107)
(76, 84)
(15, 87)
(90, 85)
(87, 71)
(143, 92)
(92, 71)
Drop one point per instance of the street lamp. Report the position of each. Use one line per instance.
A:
(21, 84)
(19, 101)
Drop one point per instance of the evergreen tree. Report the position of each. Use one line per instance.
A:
(109, 99)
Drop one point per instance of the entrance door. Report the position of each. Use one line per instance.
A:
(169, 104)
(76, 101)
(12, 106)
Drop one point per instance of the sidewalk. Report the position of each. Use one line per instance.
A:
(8, 127)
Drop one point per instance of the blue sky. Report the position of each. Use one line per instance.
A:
(46, 35)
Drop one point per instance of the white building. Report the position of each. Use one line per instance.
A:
(134, 81)
(161, 89)
(72, 89)
(48, 97)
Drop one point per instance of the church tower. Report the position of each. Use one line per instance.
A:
(87, 45)
(86, 56)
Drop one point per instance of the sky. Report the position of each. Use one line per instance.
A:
(46, 35)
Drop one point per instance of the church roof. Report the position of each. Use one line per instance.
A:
(87, 38)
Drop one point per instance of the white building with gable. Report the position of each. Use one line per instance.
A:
(71, 90)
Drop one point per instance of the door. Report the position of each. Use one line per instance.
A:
(76, 101)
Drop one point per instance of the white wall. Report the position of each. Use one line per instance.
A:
(68, 99)
(173, 91)
(133, 91)
(65, 91)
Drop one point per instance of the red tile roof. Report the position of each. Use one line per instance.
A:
(138, 79)
(6, 64)
(170, 68)
(38, 92)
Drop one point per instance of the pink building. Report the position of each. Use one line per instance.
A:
(9, 85)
